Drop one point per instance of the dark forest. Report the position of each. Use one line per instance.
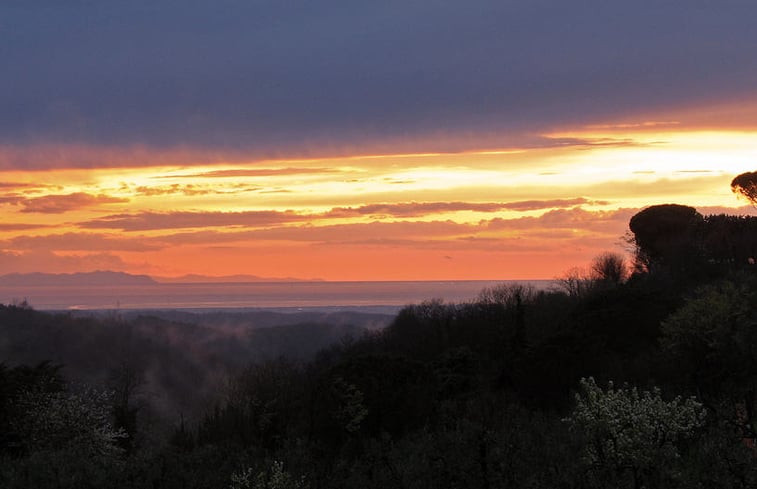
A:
(626, 375)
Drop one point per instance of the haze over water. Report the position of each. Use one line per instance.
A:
(249, 295)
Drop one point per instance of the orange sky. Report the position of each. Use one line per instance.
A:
(363, 140)
(520, 212)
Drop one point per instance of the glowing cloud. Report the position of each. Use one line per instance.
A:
(58, 204)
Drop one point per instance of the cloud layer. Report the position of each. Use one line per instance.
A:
(147, 221)
(275, 78)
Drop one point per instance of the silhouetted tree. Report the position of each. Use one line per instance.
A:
(730, 241)
(125, 381)
(514, 299)
(746, 186)
(575, 282)
(665, 237)
(609, 268)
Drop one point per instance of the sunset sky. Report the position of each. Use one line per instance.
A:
(351, 140)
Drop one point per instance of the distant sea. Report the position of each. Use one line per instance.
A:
(268, 295)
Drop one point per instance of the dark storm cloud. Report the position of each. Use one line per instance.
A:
(280, 78)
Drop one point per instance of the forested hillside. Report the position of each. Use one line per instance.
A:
(625, 376)
(180, 358)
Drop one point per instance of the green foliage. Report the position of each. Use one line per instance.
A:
(351, 410)
(372, 394)
(714, 333)
(713, 340)
(719, 459)
(259, 408)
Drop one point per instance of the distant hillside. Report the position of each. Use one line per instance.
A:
(100, 278)
(181, 364)
(263, 318)
(97, 278)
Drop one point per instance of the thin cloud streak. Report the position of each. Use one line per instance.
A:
(17, 185)
(47, 261)
(63, 155)
(576, 221)
(146, 221)
(190, 190)
(256, 172)
(21, 226)
(80, 242)
(58, 204)
(416, 209)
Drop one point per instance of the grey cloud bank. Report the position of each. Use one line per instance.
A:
(279, 78)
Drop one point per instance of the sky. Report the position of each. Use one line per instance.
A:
(352, 140)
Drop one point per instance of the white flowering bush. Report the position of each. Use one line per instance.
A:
(274, 478)
(632, 435)
(68, 421)
(67, 441)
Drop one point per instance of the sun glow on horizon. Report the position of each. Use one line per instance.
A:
(487, 214)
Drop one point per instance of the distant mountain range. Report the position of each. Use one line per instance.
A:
(104, 278)
(194, 278)
(98, 278)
